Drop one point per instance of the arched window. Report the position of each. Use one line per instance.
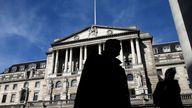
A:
(130, 77)
(73, 83)
(26, 84)
(132, 93)
(181, 56)
(58, 84)
(28, 74)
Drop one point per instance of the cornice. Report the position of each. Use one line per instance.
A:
(169, 63)
(130, 29)
(11, 81)
(95, 38)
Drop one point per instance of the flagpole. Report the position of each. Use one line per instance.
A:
(95, 12)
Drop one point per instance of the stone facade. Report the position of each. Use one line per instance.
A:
(169, 55)
(25, 76)
(66, 57)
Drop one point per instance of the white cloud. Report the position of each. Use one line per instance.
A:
(25, 24)
(122, 15)
(126, 14)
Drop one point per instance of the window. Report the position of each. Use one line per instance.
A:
(28, 74)
(37, 84)
(23, 95)
(159, 72)
(42, 65)
(132, 93)
(58, 84)
(166, 49)
(14, 69)
(26, 84)
(33, 73)
(130, 77)
(177, 47)
(181, 56)
(22, 68)
(6, 70)
(13, 98)
(155, 51)
(168, 56)
(35, 96)
(4, 98)
(72, 96)
(156, 59)
(73, 83)
(6, 87)
(14, 86)
(32, 66)
(57, 97)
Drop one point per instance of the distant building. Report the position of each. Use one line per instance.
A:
(22, 82)
(57, 77)
(169, 55)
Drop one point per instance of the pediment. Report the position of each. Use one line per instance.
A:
(94, 31)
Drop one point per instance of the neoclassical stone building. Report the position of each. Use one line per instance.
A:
(169, 55)
(57, 77)
(22, 82)
(66, 57)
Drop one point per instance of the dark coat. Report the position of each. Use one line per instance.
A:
(103, 83)
(167, 94)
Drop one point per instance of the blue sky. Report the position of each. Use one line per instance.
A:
(28, 27)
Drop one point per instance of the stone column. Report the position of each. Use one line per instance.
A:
(85, 53)
(103, 46)
(99, 48)
(56, 62)
(66, 60)
(70, 60)
(80, 58)
(138, 51)
(121, 53)
(133, 52)
(181, 10)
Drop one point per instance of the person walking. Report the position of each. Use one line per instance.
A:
(167, 92)
(103, 82)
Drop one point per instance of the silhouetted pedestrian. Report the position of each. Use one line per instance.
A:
(167, 92)
(103, 82)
